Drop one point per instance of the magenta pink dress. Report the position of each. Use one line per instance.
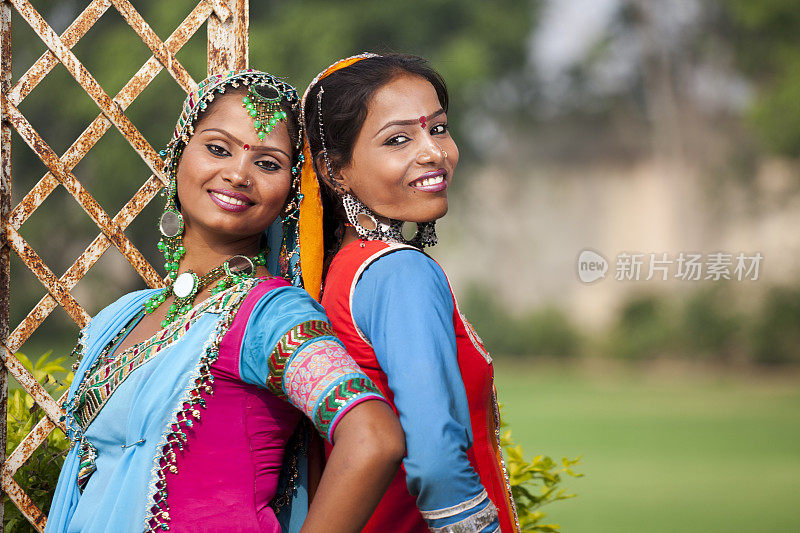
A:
(229, 467)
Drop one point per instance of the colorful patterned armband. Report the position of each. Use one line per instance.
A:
(287, 346)
(313, 371)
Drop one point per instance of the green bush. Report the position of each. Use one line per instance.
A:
(39, 475)
(535, 484)
(710, 326)
(645, 328)
(547, 331)
(775, 332)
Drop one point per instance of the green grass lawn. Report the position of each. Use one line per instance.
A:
(705, 454)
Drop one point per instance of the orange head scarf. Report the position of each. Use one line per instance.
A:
(312, 248)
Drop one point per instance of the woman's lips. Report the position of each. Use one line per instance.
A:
(230, 201)
(433, 181)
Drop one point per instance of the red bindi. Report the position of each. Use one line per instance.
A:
(246, 146)
(422, 121)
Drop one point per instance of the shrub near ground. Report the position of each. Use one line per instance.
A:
(39, 475)
(545, 331)
(709, 324)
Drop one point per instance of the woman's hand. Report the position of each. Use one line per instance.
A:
(368, 447)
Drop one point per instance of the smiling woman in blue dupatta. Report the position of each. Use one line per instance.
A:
(186, 399)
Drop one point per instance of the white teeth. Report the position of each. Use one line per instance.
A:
(227, 199)
(431, 181)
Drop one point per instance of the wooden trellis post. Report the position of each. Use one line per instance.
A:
(228, 22)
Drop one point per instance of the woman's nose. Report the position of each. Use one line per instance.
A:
(236, 176)
(431, 152)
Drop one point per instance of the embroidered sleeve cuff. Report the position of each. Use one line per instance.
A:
(339, 399)
(478, 514)
(322, 380)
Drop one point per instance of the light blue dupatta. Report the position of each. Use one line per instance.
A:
(148, 401)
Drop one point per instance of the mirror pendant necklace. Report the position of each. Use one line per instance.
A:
(188, 285)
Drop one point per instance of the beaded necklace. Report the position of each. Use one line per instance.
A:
(188, 285)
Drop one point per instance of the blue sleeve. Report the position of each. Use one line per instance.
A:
(404, 306)
(274, 315)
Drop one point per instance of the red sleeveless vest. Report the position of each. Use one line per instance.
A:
(397, 511)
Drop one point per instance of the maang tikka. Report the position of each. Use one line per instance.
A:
(365, 222)
(263, 104)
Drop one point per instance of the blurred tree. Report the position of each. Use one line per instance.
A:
(775, 330)
(545, 332)
(767, 45)
(475, 45)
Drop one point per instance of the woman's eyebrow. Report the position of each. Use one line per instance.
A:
(409, 122)
(257, 148)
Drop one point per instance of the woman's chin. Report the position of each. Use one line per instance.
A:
(438, 212)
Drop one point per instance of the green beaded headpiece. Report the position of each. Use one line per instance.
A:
(263, 103)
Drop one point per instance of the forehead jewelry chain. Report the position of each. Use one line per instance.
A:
(262, 103)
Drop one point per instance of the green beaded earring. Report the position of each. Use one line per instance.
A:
(171, 227)
(262, 102)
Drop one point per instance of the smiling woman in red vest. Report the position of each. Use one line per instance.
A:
(380, 145)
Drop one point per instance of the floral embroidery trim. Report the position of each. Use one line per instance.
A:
(98, 387)
(455, 509)
(312, 371)
(291, 341)
(157, 518)
(339, 398)
(472, 523)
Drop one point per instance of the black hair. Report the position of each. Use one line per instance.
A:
(347, 95)
(345, 102)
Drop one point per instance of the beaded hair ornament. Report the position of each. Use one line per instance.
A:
(262, 103)
(359, 215)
